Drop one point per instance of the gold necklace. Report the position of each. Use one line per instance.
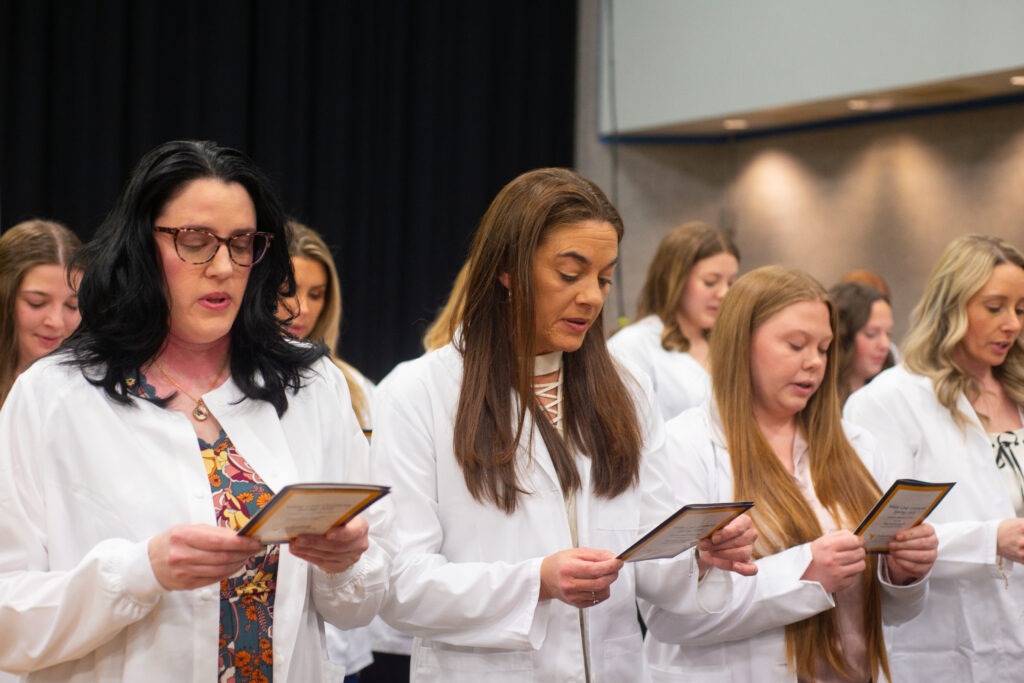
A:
(200, 412)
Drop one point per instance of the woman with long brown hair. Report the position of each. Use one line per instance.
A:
(523, 459)
(690, 274)
(772, 434)
(38, 303)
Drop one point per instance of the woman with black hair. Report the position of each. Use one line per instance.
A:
(129, 461)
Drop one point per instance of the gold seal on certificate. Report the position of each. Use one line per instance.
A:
(683, 529)
(310, 509)
(905, 504)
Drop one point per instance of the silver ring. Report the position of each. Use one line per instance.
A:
(595, 597)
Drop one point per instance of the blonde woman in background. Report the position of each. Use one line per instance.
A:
(772, 434)
(952, 412)
(314, 314)
(38, 303)
(690, 274)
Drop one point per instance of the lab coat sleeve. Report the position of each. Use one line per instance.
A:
(48, 617)
(899, 603)
(673, 583)
(965, 547)
(775, 596)
(353, 597)
(474, 604)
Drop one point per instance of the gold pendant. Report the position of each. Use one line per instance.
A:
(200, 412)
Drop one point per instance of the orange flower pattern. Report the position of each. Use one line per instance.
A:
(247, 598)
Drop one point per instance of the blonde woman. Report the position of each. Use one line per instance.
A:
(314, 312)
(952, 412)
(772, 434)
(690, 274)
(38, 304)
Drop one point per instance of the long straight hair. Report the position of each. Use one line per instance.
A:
(939, 321)
(842, 483)
(125, 313)
(663, 290)
(304, 242)
(23, 247)
(497, 343)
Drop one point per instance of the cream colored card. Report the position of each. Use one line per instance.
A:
(310, 509)
(683, 529)
(907, 503)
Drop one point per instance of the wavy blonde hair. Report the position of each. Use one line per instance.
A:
(939, 321)
(677, 254)
(842, 483)
(304, 242)
(24, 246)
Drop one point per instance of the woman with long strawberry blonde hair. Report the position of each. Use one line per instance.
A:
(772, 434)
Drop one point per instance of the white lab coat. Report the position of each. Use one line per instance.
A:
(86, 482)
(467, 576)
(746, 641)
(972, 627)
(352, 648)
(679, 381)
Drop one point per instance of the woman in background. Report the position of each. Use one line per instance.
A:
(951, 412)
(772, 434)
(691, 272)
(314, 312)
(38, 302)
(865, 335)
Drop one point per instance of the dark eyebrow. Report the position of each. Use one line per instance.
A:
(583, 260)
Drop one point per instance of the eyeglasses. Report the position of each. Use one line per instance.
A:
(199, 245)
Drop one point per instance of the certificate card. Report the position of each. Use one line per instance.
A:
(310, 509)
(683, 529)
(906, 503)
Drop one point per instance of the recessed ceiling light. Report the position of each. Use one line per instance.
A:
(1017, 80)
(735, 124)
(872, 104)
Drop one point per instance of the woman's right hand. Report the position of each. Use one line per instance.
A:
(837, 559)
(1010, 539)
(190, 556)
(581, 577)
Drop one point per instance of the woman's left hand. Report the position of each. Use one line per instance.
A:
(338, 549)
(730, 548)
(912, 553)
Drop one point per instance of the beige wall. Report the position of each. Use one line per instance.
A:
(885, 196)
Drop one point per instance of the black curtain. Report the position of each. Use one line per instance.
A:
(387, 126)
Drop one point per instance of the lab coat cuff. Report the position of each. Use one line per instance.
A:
(131, 575)
(541, 612)
(886, 579)
(367, 575)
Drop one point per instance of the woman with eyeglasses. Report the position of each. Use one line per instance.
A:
(952, 411)
(129, 461)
